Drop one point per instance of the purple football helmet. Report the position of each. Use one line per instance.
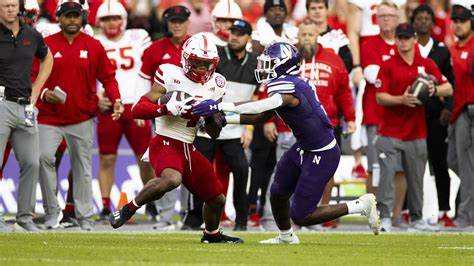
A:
(277, 59)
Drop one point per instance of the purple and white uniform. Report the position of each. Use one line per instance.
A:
(306, 168)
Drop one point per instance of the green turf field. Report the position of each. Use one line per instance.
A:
(323, 248)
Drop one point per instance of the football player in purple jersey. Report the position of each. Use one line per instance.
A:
(304, 170)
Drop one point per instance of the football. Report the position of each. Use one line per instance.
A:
(181, 96)
(420, 88)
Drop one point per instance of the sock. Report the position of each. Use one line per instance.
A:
(211, 232)
(285, 234)
(69, 207)
(133, 206)
(106, 202)
(355, 206)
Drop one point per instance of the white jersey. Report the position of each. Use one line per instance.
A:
(265, 34)
(126, 55)
(369, 26)
(172, 78)
(334, 39)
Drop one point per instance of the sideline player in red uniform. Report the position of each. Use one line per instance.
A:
(124, 49)
(461, 137)
(171, 153)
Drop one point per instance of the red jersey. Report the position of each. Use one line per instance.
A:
(76, 69)
(395, 76)
(374, 51)
(160, 52)
(328, 72)
(463, 57)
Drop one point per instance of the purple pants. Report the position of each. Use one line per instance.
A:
(304, 175)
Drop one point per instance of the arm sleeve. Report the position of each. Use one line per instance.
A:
(42, 49)
(344, 99)
(255, 107)
(106, 74)
(146, 109)
(346, 56)
(158, 78)
(148, 64)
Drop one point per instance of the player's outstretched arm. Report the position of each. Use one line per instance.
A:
(249, 119)
(275, 101)
(146, 107)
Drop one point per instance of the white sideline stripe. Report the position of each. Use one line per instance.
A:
(457, 248)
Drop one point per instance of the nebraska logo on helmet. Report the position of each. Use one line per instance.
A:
(199, 58)
(111, 9)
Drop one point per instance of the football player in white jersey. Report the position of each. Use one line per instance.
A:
(124, 49)
(362, 23)
(171, 152)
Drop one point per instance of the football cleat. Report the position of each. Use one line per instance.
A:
(291, 240)
(68, 220)
(220, 238)
(370, 212)
(120, 217)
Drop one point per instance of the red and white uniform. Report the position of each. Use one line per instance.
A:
(368, 16)
(125, 54)
(463, 57)
(172, 147)
(395, 76)
(374, 52)
(173, 79)
(328, 72)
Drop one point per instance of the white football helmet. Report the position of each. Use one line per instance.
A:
(199, 58)
(111, 8)
(226, 9)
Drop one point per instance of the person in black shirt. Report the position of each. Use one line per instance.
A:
(437, 110)
(19, 44)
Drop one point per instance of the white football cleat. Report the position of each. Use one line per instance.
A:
(370, 211)
(292, 240)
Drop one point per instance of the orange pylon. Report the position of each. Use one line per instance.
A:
(123, 200)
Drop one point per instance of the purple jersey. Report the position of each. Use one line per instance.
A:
(308, 121)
